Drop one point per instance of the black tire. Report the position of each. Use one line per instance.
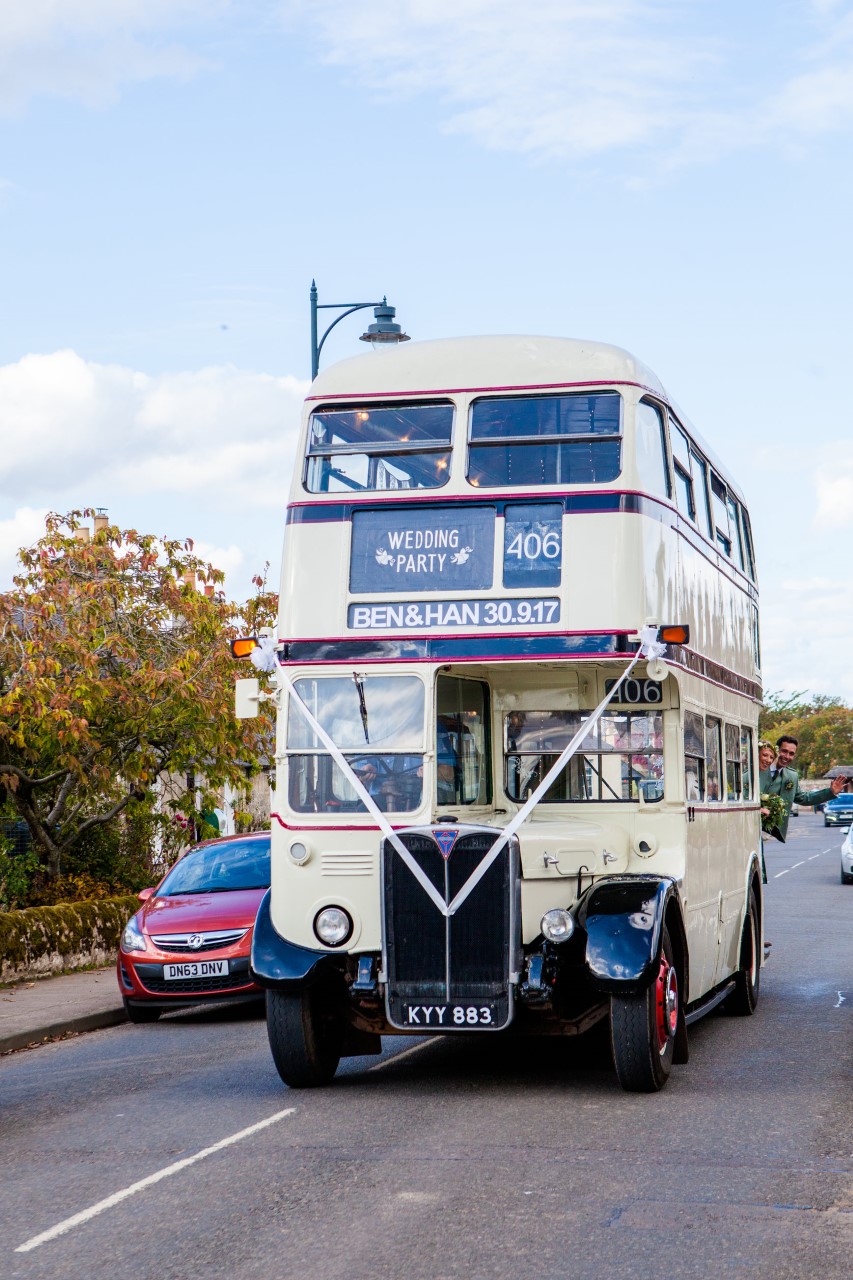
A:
(643, 1027)
(306, 1033)
(845, 878)
(141, 1012)
(744, 997)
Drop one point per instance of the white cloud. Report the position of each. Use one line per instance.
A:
(559, 78)
(88, 48)
(230, 560)
(834, 488)
(569, 79)
(806, 624)
(21, 530)
(80, 429)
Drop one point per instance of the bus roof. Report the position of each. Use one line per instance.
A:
(480, 364)
(499, 363)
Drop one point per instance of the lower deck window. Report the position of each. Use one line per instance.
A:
(621, 758)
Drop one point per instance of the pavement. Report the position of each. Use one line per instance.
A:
(32, 1012)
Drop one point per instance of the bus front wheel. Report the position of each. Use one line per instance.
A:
(306, 1032)
(744, 995)
(643, 1027)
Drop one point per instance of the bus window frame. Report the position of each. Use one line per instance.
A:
(486, 764)
(731, 735)
(695, 758)
(679, 472)
(591, 437)
(714, 731)
(661, 412)
(382, 449)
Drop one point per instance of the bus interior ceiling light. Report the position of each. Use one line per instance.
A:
(383, 328)
(557, 925)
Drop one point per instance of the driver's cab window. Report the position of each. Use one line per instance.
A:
(462, 748)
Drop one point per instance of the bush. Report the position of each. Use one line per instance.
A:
(17, 869)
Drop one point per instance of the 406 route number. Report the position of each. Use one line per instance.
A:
(637, 692)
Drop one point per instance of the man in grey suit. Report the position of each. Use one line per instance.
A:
(781, 780)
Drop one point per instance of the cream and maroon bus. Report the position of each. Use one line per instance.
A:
(480, 531)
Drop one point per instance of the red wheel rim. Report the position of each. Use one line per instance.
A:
(666, 1003)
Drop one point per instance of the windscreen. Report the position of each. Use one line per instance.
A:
(378, 724)
(221, 867)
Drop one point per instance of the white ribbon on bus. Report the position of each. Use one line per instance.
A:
(650, 648)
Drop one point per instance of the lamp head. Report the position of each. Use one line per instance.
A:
(383, 328)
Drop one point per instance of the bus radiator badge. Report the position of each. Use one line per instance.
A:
(445, 841)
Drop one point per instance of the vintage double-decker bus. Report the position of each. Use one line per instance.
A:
(495, 810)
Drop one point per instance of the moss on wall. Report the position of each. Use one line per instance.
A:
(71, 935)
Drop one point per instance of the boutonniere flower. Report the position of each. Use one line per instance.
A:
(788, 785)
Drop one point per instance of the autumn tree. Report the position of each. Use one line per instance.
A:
(823, 726)
(115, 668)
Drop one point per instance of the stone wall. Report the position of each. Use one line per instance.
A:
(40, 941)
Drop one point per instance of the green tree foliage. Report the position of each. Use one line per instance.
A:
(823, 726)
(115, 668)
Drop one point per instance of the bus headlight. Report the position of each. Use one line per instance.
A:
(333, 926)
(299, 852)
(557, 925)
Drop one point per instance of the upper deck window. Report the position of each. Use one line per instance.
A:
(650, 448)
(379, 446)
(534, 440)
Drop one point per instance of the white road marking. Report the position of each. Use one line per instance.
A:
(79, 1218)
(397, 1056)
(841, 1000)
(800, 864)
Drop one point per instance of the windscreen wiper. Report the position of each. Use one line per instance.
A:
(362, 704)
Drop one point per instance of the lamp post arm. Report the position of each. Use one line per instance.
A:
(346, 309)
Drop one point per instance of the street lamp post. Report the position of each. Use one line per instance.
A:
(382, 330)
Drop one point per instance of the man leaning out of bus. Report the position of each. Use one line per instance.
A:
(780, 779)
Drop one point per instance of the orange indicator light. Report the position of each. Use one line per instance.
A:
(674, 635)
(243, 646)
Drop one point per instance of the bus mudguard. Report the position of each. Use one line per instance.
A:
(276, 962)
(623, 921)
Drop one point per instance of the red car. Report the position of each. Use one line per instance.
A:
(190, 941)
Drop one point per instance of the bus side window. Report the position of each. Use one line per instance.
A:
(652, 466)
(734, 778)
(694, 757)
(703, 501)
(719, 496)
(747, 542)
(684, 498)
(737, 537)
(746, 761)
(756, 637)
(713, 775)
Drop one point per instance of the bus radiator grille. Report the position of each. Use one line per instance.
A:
(464, 960)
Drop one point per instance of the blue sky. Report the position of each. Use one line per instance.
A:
(671, 177)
